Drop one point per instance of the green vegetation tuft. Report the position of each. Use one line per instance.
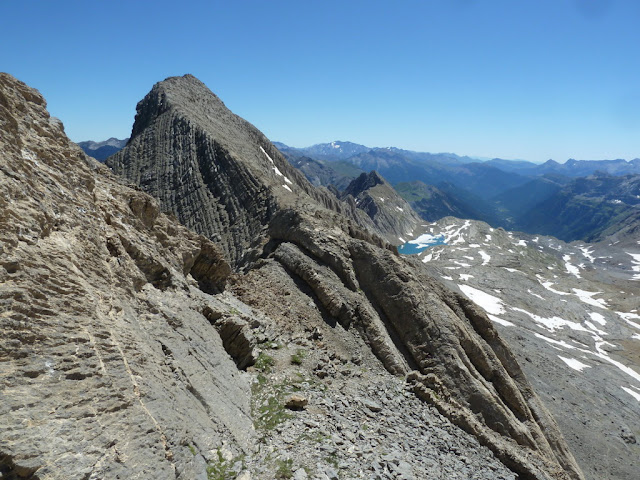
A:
(285, 469)
(272, 414)
(297, 357)
(223, 469)
(264, 363)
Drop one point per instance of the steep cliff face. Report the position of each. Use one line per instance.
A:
(215, 171)
(415, 326)
(388, 210)
(108, 366)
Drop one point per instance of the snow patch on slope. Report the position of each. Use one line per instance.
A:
(573, 363)
(489, 303)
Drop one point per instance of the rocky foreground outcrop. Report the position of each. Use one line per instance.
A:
(184, 146)
(109, 366)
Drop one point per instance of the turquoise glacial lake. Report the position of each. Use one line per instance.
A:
(420, 244)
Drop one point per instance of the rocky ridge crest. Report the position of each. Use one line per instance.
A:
(184, 151)
(411, 322)
(389, 211)
(120, 342)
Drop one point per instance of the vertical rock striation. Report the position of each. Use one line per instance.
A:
(216, 172)
(108, 367)
(119, 342)
(446, 345)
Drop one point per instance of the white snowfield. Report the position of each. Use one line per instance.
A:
(633, 393)
(572, 269)
(489, 303)
(597, 317)
(426, 239)
(573, 363)
(561, 277)
(586, 298)
(277, 171)
(635, 264)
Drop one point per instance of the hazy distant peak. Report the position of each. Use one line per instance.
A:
(111, 142)
(102, 150)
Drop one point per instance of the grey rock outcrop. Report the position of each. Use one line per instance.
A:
(120, 341)
(410, 321)
(446, 345)
(108, 367)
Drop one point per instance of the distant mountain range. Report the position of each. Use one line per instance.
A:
(574, 200)
(102, 150)
(571, 168)
(325, 151)
(588, 208)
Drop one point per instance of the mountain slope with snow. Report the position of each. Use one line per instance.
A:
(571, 312)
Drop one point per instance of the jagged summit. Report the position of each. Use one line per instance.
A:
(364, 182)
(214, 170)
(186, 93)
(372, 194)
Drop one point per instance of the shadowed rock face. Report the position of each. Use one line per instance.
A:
(118, 341)
(215, 171)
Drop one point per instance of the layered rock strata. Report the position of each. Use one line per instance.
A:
(184, 150)
(448, 347)
(108, 366)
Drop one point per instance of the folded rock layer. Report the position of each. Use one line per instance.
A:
(446, 345)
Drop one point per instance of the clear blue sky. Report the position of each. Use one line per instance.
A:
(531, 79)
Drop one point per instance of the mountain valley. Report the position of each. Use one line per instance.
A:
(572, 201)
(571, 314)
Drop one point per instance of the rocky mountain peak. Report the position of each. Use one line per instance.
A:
(185, 92)
(223, 178)
(98, 292)
(214, 170)
(372, 194)
(128, 337)
(364, 182)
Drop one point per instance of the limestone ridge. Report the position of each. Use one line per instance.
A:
(446, 346)
(221, 177)
(117, 362)
(99, 293)
(390, 213)
(215, 171)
